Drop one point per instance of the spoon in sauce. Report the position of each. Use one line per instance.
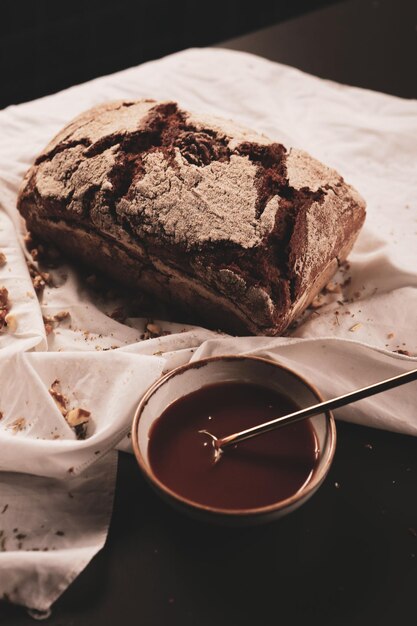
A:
(219, 443)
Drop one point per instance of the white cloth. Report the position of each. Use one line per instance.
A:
(369, 137)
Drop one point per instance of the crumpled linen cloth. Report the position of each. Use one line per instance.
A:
(56, 491)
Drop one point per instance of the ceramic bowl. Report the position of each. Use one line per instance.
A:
(191, 377)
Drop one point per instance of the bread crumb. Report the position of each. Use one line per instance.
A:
(390, 335)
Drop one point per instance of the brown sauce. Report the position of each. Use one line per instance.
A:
(254, 473)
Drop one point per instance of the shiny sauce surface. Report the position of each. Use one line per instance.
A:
(254, 473)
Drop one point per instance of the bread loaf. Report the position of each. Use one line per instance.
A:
(198, 211)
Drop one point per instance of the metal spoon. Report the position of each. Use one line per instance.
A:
(219, 443)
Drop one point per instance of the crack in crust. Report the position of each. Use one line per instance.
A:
(244, 216)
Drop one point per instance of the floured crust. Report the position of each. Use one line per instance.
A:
(198, 210)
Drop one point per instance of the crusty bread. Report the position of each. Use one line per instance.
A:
(196, 210)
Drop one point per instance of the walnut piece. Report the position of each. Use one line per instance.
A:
(50, 321)
(154, 329)
(11, 322)
(4, 306)
(76, 417)
(60, 400)
(39, 279)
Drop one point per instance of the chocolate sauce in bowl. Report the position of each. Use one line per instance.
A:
(254, 473)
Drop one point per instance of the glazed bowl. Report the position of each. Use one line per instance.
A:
(243, 369)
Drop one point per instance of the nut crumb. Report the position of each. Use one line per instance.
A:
(77, 417)
(317, 302)
(62, 315)
(18, 424)
(3, 259)
(11, 322)
(404, 352)
(390, 335)
(39, 279)
(60, 400)
(333, 287)
(337, 485)
(355, 327)
(38, 283)
(154, 329)
(4, 306)
(50, 321)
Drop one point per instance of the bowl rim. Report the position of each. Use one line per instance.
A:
(306, 490)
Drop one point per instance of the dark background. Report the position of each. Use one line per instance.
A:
(47, 45)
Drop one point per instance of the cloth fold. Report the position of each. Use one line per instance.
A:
(56, 489)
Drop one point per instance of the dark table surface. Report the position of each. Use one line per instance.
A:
(347, 557)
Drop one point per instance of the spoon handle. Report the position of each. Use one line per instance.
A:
(328, 405)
